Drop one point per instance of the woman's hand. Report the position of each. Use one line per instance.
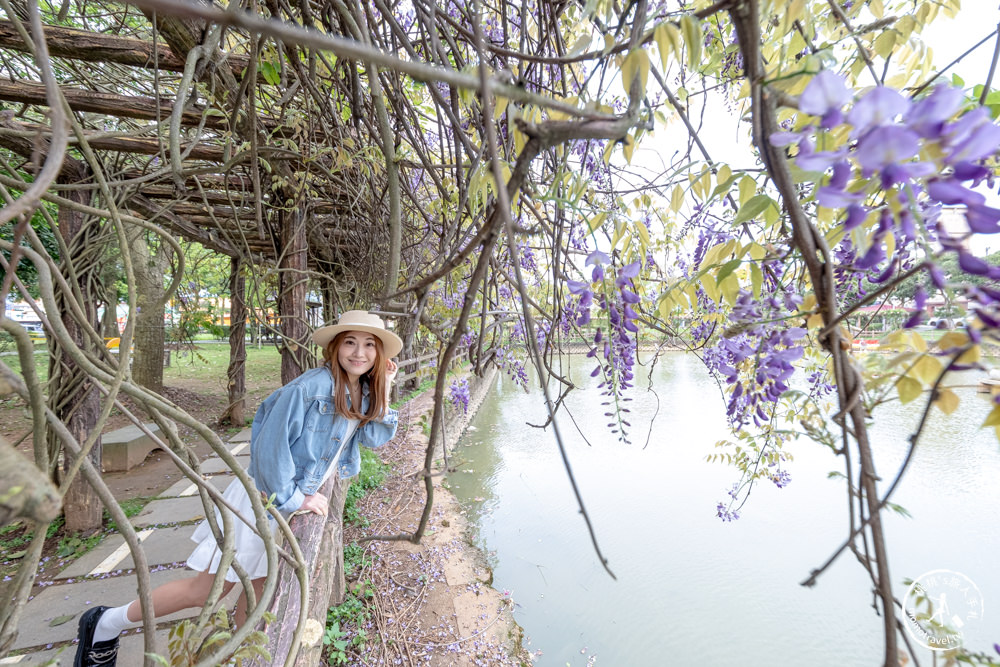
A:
(317, 504)
(390, 375)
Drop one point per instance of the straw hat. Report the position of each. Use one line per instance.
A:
(359, 320)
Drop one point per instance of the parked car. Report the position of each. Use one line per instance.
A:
(942, 323)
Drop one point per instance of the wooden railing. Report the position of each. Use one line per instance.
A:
(321, 540)
(408, 380)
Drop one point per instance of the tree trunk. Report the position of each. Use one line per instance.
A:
(292, 293)
(72, 395)
(329, 295)
(149, 267)
(109, 321)
(234, 414)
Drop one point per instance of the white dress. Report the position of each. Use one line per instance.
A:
(250, 552)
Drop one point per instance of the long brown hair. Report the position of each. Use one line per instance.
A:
(378, 404)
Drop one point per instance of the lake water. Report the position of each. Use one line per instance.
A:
(690, 589)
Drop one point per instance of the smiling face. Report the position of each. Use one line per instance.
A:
(356, 354)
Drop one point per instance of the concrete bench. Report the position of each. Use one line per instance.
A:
(127, 447)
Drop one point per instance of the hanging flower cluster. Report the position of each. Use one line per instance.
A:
(909, 157)
(508, 362)
(458, 394)
(755, 356)
(618, 345)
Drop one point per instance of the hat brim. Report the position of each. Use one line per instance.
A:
(391, 343)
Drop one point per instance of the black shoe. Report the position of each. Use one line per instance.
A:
(88, 652)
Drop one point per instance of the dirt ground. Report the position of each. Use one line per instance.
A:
(432, 603)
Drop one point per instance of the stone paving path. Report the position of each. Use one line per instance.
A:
(102, 575)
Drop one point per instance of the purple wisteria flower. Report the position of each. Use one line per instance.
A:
(905, 159)
(617, 345)
(459, 394)
(756, 357)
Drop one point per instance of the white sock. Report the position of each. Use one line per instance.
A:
(112, 622)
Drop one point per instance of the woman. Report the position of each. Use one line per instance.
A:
(301, 434)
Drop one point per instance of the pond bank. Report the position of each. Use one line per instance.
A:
(430, 603)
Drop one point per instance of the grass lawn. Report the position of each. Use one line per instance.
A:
(41, 360)
(206, 366)
(208, 363)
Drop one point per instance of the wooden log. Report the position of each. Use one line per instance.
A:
(186, 208)
(321, 540)
(110, 104)
(95, 47)
(206, 196)
(182, 227)
(102, 142)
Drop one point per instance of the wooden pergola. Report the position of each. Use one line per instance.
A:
(281, 192)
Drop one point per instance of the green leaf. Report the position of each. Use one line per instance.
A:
(691, 27)
(727, 268)
(748, 186)
(676, 199)
(927, 369)
(947, 401)
(598, 220)
(899, 509)
(59, 620)
(270, 73)
(754, 207)
(711, 287)
(636, 65)
(993, 419)
(908, 389)
(756, 279)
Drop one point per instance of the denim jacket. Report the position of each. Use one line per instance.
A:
(296, 432)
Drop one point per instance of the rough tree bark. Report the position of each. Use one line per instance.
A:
(111, 104)
(292, 292)
(109, 320)
(235, 413)
(150, 265)
(72, 395)
(95, 47)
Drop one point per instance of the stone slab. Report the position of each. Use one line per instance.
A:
(132, 648)
(169, 510)
(163, 545)
(61, 656)
(242, 436)
(215, 465)
(127, 447)
(75, 598)
(185, 487)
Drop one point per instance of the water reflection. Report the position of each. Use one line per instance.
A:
(690, 589)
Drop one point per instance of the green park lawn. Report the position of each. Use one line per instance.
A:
(206, 364)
